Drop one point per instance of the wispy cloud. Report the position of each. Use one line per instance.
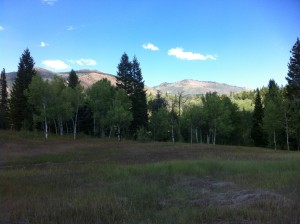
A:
(44, 44)
(49, 2)
(55, 64)
(82, 61)
(151, 47)
(186, 55)
(70, 28)
(1, 28)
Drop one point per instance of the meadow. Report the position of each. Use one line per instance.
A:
(105, 181)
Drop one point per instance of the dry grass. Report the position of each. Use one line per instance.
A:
(95, 181)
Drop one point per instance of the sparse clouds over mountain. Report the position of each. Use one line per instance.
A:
(55, 64)
(186, 55)
(151, 47)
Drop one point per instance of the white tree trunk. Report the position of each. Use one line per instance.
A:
(110, 131)
(173, 139)
(119, 133)
(201, 136)
(55, 126)
(287, 131)
(75, 124)
(214, 135)
(94, 120)
(191, 134)
(275, 140)
(196, 133)
(61, 127)
(46, 125)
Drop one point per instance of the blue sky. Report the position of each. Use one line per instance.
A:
(238, 42)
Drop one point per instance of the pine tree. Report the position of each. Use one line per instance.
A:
(293, 76)
(3, 101)
(138, 98)
(73, 80)
(124, 75)
(20, 111)
(293, 94)
(257, 133)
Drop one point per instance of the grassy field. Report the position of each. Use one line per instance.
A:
(96, 181)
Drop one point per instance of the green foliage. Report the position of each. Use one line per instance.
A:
(143, 135)
(192, 120)
(76, 98)
(119, 114)
(21, 113)
(159, 125)
(40, 97)
(100, 97)
(3, 102)
(157, 103)
(60, 111)
(273, 120)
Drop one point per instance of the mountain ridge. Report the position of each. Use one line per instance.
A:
(188, 87)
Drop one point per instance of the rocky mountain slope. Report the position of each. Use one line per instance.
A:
(187, 87)
(195, 87)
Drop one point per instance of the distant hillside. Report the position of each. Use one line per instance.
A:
(191, 87)
(89, 77)
(86, 77)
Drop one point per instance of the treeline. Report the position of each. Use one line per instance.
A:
(125, 111)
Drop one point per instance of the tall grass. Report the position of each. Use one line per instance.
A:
(92, 181)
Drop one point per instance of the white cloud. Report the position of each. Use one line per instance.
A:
(43, 44)
(83, 61)
(55, 64)
(49, 2)
(1, 28)
(69, 28)
(185, 55)
(151, 47)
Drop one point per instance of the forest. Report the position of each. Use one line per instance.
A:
(266, 117)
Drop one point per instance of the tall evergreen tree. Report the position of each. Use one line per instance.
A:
(293, 94)
(124, 75)
(20, 111)
(138, 98)
(3, 101)
(257, 133)
(293, 76)
(129, 78)
(73, 80)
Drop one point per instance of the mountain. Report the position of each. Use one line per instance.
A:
(188, 87)
(86, 77)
